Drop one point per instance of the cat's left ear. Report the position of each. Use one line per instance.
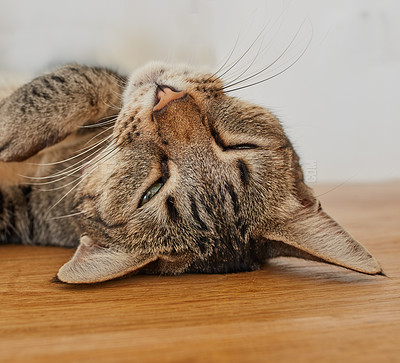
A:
(93, 263)
(312, 234)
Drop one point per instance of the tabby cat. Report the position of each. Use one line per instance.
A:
(161, 173)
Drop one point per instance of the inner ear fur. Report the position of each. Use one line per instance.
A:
(94, 263)
(313, 234)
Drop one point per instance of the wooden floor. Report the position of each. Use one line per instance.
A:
(292, 310)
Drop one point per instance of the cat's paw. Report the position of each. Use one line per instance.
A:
(46, 110)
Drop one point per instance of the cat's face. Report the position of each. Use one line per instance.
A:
(194, 180)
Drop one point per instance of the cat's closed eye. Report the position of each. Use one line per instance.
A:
(224, 146)
(241, 147)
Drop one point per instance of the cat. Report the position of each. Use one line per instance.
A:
(162, 173)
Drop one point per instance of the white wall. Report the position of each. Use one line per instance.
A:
(339, 103)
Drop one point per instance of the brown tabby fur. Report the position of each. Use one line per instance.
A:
(233, 193)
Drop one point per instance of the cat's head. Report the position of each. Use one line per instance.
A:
(195, 180)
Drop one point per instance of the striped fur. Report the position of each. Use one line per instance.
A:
(208, 183)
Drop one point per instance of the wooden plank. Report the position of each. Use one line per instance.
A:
(291, 310)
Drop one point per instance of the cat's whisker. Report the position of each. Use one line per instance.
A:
(247, 68)
(79, 168)
(337, 186)
(62, 176)
(66, 216)
(91, 147)
(270, 71)
(226, 61)
(111, 106)
(98, 155)
(261, 50)
(70, 170)
(242, 70)
(118, 94)
(121, 80)
(270, 25)
(273, 76)
(104, 153)
(65, 195)
(235, 63)
(108, 120)
(89, 143)
(52, 182)
(263, 70)
(82, 178)
(75, 156)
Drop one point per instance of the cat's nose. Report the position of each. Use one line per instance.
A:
(165, 95)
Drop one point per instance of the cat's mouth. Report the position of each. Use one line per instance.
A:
(165, 95)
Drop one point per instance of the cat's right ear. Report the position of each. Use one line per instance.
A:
(93, 263)
(51, 107)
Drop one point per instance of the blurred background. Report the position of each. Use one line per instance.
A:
(339, 102)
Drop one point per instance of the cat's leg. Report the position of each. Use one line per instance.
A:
(40, 123)
(27, 217)
(42, 119)
(14, 219)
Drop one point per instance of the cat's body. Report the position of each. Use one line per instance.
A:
(184, 179)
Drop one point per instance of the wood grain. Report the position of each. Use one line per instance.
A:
(291, 310)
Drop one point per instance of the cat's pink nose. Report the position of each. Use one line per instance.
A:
(165, 95)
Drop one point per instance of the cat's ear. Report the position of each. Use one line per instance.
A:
(313, 234)
(46, 110)
(93, 263)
